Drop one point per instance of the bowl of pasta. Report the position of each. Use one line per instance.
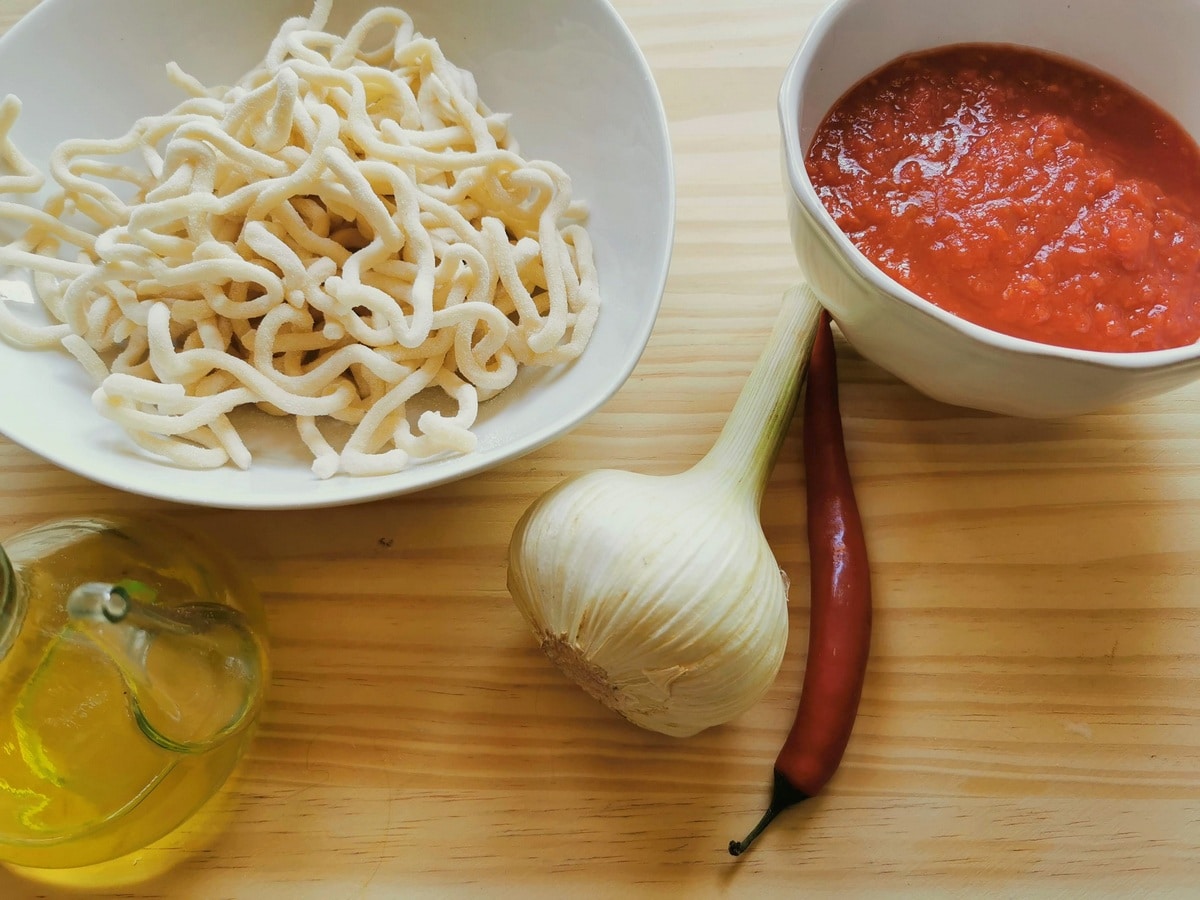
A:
(294, 254)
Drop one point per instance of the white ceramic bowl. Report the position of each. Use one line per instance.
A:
(1150, 45)
(581, 95)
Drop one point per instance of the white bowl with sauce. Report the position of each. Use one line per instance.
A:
(1147, 46)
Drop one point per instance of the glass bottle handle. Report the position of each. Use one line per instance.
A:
(195, 671)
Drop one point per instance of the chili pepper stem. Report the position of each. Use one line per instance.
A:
(783, 795)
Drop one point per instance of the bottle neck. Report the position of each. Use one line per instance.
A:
(11, 604)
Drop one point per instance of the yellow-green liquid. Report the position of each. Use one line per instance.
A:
(80, 782)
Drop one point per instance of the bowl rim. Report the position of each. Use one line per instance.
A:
(797, 76)
(191, 488)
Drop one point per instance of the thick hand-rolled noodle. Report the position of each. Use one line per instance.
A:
(341, 236)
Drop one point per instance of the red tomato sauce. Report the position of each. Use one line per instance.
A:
(1020, 192)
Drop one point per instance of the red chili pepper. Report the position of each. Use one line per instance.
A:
(839, 636)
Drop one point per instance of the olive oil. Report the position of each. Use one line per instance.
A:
(80, 780)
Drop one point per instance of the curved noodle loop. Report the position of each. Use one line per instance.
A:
(343, 229)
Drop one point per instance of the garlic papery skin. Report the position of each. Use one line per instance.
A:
(669, 609)
(660, 595)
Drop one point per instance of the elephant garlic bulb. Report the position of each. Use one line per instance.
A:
(660, 595)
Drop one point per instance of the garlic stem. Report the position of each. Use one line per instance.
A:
(745, 451)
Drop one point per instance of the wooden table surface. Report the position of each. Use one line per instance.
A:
(1031, 720)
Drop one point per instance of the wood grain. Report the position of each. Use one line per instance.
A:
(1031, 719)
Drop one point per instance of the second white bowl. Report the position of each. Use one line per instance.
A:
(1149, 46)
